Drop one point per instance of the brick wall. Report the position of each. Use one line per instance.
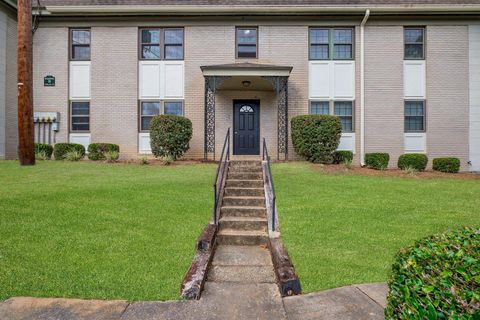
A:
(114, 87)
(448, 92)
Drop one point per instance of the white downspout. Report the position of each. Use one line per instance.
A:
(362, 87)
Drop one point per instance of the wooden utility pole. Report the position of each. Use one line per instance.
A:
(25, 84)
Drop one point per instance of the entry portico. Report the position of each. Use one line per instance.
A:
(258, 93)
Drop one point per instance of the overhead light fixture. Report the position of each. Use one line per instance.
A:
(246, 83)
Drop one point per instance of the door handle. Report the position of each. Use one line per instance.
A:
(235, 132)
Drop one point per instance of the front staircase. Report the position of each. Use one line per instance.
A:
(242, 254)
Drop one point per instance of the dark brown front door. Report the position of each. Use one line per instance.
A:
(246, 127)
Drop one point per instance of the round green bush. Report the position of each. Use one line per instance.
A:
(42, 148)
(342, 156)
(316, 137)
(378, 161)
(417, 161)
(449, 165)
(437, 278)
(61, 149)
(97, 151)
(170, 136)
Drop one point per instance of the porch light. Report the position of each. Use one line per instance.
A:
(246, 83)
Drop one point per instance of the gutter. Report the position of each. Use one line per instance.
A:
(11, 3)
(362, 87)
(269, 10)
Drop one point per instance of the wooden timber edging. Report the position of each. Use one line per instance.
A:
(192, 284)
(287, 278)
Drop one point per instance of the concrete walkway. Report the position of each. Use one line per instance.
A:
(219, 301)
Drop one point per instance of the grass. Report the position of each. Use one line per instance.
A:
(88, 230)
(343, 229)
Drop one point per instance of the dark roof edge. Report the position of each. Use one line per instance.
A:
(246, 66)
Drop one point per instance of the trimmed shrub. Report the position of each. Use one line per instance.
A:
(415, 161)
(170, 136)
(437, 278)
(73, 155)
(97, 151)
(342, 157)
(61, 149)
(449, 165)
(112, 156)
(43, 149)
(378, 161)
(316, 137)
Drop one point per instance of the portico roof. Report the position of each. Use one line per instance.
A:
(246, 69)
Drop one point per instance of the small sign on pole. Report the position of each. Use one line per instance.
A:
(49, 81)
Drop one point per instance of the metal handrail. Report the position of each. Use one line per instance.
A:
(219, 181)
(270, 187)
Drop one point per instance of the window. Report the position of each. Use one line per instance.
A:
(147, 111)
(159, 44)
(414, 39)
(319, 107)
(80, 44)
(331, 43)
(414, 116)
(150, 109)
(80, 116)
(344, 110)
(246, 42)
(174, 108)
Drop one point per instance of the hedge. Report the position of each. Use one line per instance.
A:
(96, 151)
(316, 137)
(342, 157)
(449, 165)
(417, 161)
(60, 149)
(378, 161)
(44, 148)
(437, 278)
(170, 136)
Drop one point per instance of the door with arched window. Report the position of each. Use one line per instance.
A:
(246, 127)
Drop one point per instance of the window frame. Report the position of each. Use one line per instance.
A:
(331, 109)
(161, 110)
(71, 116)
(424, 43)
(331, 43)
(70, 44)
(237, 44)
(162, 45)
(424, 116)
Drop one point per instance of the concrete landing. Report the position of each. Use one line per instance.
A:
(226, 300)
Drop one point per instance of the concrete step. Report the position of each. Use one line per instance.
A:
(243, 212)
(242, 256)
(245, 175)
(242, 237)
(242, 183)
(241, 274)
(245, 169)
(243, 223)
(244, 201)
(250, 164)
(249, 192)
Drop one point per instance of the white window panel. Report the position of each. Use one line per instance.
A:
(79, 80)
(415, 142)
(173, 80)
(343, 79)
(80, 138)
(149, 84)
(320, 80)
(347, 142)
(144, 143)
(414, 79)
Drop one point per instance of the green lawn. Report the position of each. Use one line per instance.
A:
(342, 229)
(91, 230)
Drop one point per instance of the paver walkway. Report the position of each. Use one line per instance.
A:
(227, 301)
